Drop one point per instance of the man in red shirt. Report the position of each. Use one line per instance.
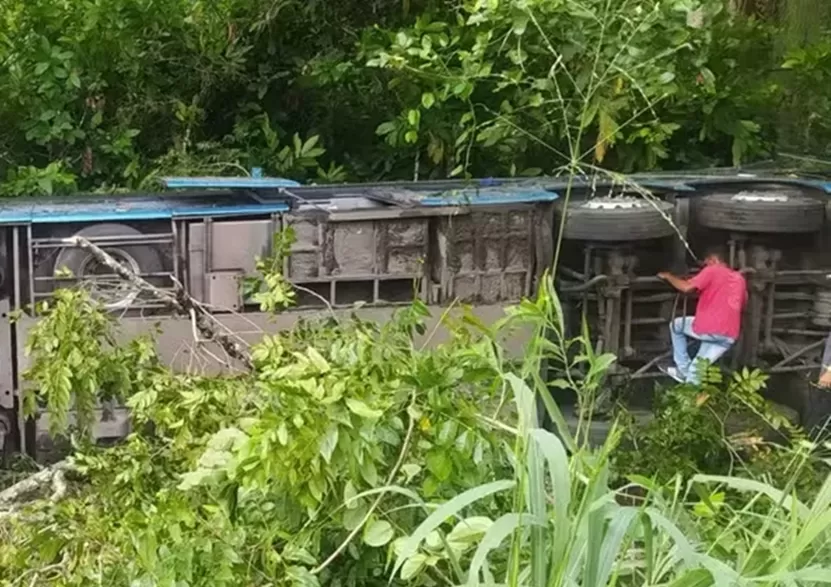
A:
(722, 294)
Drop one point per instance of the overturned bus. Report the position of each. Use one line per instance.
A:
(484, 243)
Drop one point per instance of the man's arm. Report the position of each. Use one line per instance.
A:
(682, 285)
(825, 372)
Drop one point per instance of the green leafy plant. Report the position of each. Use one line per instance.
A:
(265, 467)
(270, 289)
(542, 87)
(29, 180)
(76, 361)
(705, 428)
(566, 523)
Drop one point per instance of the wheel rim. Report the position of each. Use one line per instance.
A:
(104, 285)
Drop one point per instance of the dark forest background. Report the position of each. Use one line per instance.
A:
(110, 94)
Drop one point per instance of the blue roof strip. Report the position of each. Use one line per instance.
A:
(489, 196)
(228, 183)
(125, 209)
(248, 210)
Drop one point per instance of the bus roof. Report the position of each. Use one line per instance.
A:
(255, 196)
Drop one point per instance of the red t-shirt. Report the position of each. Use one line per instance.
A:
(722, 295)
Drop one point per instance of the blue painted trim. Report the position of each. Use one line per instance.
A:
(104, 216)
(489, 196)
(15, 219)
(34, 214)
(228, 182)
(251, 210)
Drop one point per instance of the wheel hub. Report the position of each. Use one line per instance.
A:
(613, 203)
(104, 285)
(751, 196)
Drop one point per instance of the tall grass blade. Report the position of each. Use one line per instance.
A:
(789, 502)
(823, 499)
(588, 521)
(693, 578)
(691, 558)
(536, 503)
(619, 527)
(526, 406)
(807, 575)
(596, 524)
(494, 536)
(558, 471)
(446, 510)
(556, 416)
(806, 537)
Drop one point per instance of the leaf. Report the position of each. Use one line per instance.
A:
(317, 360)
(370, 473)
(666, 77)
(329, 443)
(194, 479)
(469, 530)
(607, 128)
(686, 551)
(349, 496)
(589, 114)
(378, 533)
(283, 434)
(309, 144)
(353, 518)
(439, 464)
(227, 439)
(385, 128)
(301, 577)
(412, 566)
(520, 23)
(359, 408)
(297, 554)
(411, 470)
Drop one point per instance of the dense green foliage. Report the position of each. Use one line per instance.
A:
(104, 94)
(352, 456)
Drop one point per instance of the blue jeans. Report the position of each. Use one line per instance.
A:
(713, 346)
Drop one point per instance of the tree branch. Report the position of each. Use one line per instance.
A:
(25, 490)
(179, 301)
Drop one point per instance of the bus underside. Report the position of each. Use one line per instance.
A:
(483, 244)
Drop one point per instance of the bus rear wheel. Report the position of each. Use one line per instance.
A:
(104, 285)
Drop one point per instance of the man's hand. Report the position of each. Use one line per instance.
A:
(681, 285)
(825, 378)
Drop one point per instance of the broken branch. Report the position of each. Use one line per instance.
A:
(28, 488)
(180, 302)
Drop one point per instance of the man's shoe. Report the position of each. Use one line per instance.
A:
(672, 372)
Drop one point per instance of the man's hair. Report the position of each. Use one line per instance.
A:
(717, 251)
